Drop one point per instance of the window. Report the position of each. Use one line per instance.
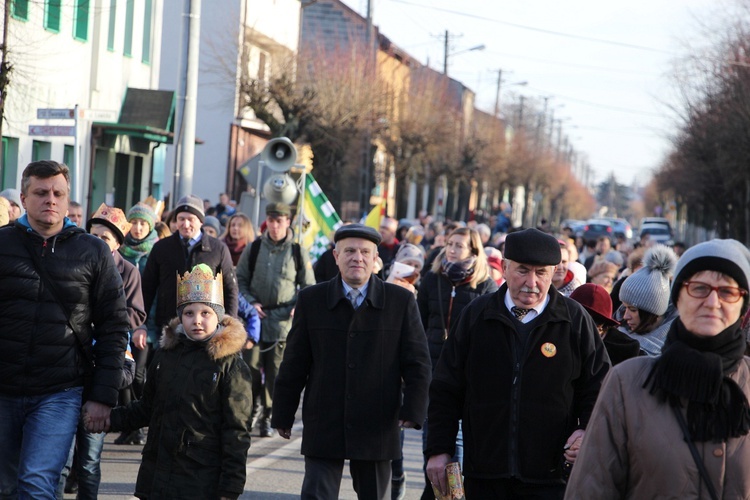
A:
(146, 59)
(10, 163)
(81, 20)
(112, 19)
(19, 9)
(52, 15)
(68, 155)
(128, 48)
(40, 150)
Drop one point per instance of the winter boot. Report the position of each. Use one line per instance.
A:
(265, 424)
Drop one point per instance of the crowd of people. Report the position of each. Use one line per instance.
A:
(546, 366)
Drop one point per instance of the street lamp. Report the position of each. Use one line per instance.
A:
(446, 55)
(499, 84)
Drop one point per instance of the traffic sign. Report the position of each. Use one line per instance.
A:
(50, 130)
(98, 115)
(54, 113)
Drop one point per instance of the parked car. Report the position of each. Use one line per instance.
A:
(657, 232)
(658, 220)
(595, 228)
(576, 226)
(621, 226)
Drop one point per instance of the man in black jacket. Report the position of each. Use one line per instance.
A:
(522, 367)
(354, 339)
(59, 292)
(181, 252)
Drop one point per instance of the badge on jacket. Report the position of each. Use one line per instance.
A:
(549, 349)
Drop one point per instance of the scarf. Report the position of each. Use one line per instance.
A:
(235, 247)
(458, 272)
(134, 249)
(698, 369)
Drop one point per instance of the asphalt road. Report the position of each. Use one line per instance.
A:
(275, 468)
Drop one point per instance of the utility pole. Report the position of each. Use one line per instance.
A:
(497, 95)
(520, 113)
(445, 53)
(187, 146)
(370, 68)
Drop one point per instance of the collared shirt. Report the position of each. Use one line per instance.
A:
(362, 291)
(533, 312)
(193, 241)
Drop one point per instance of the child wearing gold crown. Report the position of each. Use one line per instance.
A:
(196, 402)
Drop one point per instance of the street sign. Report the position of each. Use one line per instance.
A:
(55, 113)
(98, 115)
(50, 130)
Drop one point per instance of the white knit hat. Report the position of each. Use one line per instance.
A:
(648, 288)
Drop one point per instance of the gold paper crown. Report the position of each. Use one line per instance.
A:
(156, 205)
(113, 218)
(200, 286)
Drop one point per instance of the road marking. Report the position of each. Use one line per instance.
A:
(287, 450)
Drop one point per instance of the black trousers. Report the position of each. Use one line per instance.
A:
(372, 479)
(511, 489)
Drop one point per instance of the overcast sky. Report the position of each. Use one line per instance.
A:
(606, 65)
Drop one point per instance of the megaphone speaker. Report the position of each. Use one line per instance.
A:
(279, 154)
(280, 188)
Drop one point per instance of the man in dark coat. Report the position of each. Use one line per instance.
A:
(354, 339)
(62, 316)
(522, 367)
(181, 252)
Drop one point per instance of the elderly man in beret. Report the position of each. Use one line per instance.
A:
(522, 368)
(354, 340)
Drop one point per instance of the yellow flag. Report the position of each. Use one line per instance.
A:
(376, 215)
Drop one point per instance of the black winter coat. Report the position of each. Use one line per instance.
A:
(167, 259)
(434, 300)
(519, 401)
(351, 365)
(39, 353)
(196, 403)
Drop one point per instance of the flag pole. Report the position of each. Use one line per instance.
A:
(302, 187)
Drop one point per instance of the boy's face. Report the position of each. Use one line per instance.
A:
(199, 320)
(105, 234)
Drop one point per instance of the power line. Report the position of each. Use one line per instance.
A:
(538, 30)
(598, 105)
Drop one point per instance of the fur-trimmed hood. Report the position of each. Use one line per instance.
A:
(230, 340)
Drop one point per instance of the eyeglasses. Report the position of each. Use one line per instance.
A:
(700, 290)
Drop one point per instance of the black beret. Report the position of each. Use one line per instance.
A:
(533, 247)
(357, 231)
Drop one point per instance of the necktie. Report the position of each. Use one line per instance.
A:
(519, 312)
(353, 295)
(186, 246)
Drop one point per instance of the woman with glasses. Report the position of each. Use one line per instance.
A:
(677, 426)
(643, 314)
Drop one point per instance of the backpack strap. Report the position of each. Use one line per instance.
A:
(253, 259)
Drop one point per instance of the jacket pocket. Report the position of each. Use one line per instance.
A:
(205, 451)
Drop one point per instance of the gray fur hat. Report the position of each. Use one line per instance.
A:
(648, 288)
(729, 257)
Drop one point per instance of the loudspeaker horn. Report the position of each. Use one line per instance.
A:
(279, 154)
(280, 188)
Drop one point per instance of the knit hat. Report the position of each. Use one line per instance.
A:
(532, 247)
(143, 212)
(494, 258)
(113, 219)
(213, 222)
(201, 286)
(578, 270)
(614, 257)
(13, 196)
(191, 204)
(728, 257)
(648, 287)
(595, 299)
(410, 253)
